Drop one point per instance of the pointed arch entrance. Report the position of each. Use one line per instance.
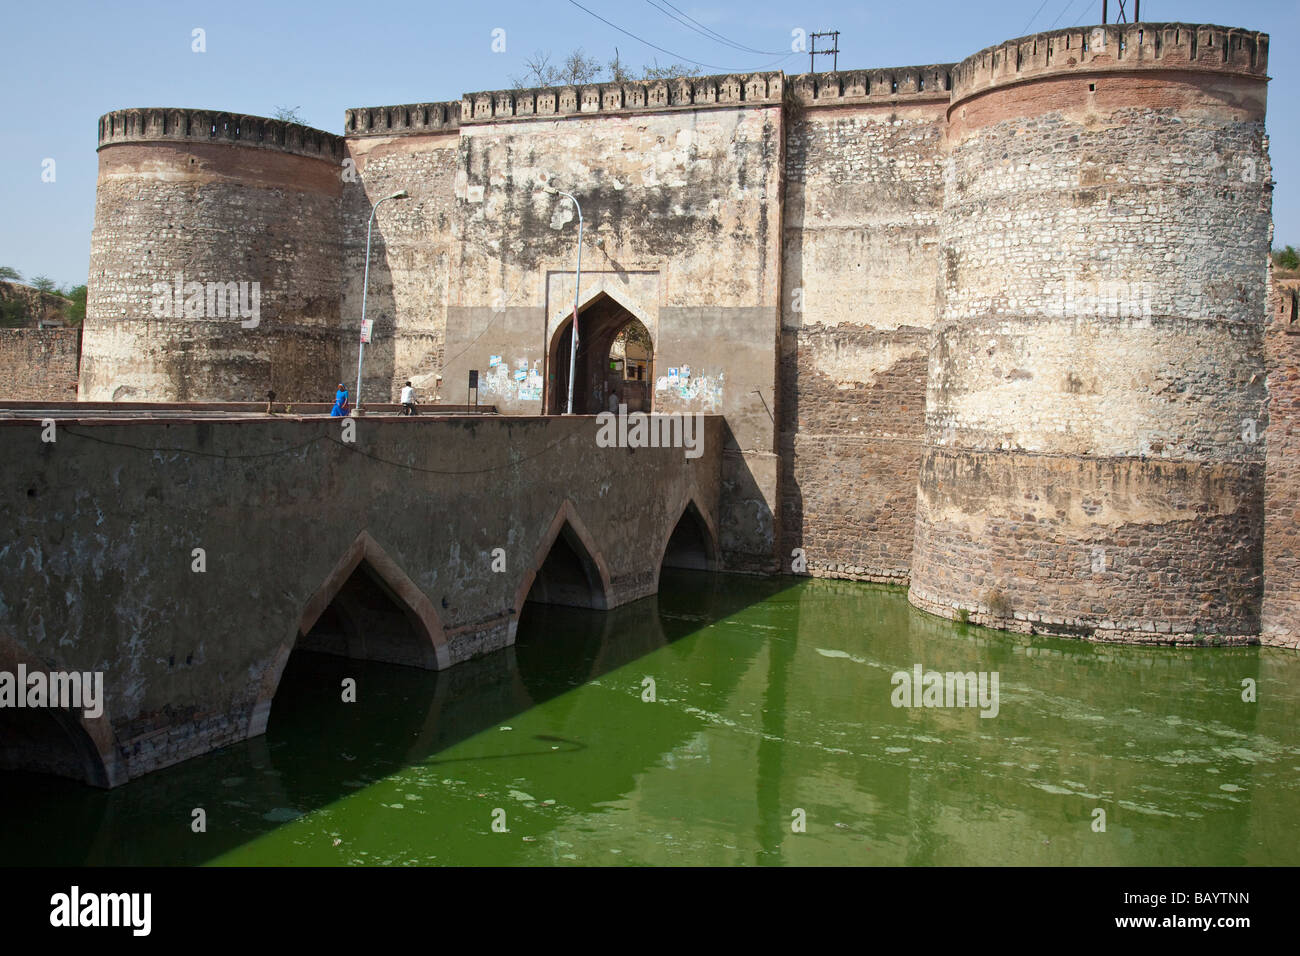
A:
(615, 355)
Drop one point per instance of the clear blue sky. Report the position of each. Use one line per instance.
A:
(64, 64)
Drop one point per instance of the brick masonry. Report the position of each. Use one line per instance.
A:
(1096, 395)
(863, 194)
(1281, 614)
(39, 364)
(213, 199)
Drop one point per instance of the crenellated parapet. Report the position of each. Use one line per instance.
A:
(1122, 47)
(888, 85)
(407, 120)
(649, 95)
(495, 106)
(166, 124)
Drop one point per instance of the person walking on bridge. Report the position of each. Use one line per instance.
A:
(408, 399)
(340, 402)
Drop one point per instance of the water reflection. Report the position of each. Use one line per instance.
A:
(772, 698)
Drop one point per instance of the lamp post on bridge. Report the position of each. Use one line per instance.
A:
(577, 280)
(365, 284)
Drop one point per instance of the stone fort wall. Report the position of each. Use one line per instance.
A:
(1086, 466)
(414, 248)
(213, 198)
(863, 191)
(39, 364)
(991, 329)
(1281, 611)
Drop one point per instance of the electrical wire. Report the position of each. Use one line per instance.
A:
(708, 33)
(1025, 30)
(1069, 5)
(677, 56)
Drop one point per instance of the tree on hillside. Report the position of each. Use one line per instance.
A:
(44, 283)
(13, 314)
(1287, 259)
(76, 310)
(10, 274)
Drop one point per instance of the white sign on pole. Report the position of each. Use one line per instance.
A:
(366, 326)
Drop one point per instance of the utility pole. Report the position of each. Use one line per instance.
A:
(1137, 11)
(833, 52)
(365, 284)
(577, 281)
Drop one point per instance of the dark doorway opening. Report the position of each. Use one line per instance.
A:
(367, 620)
(615, 357)
(689, 546)
(569, 575)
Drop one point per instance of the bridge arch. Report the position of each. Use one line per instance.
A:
(365, 560)
(367, 556)
(691, 543)
(602, 321)
(568, 568)
(64, 743)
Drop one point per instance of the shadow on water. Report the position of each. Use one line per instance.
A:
(319, 749)
(774, 695)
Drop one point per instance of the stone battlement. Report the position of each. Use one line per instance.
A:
(412, 118)
(887, 85)
(1114, 47)
(166, 124)
(503, 105)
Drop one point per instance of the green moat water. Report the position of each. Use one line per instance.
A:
(772, 695)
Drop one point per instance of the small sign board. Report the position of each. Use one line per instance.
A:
(366, 326)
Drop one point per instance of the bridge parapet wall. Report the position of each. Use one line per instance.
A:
(191, 658)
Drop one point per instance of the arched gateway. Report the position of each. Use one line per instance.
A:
(615, 356)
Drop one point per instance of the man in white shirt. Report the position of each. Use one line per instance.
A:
(408, 399)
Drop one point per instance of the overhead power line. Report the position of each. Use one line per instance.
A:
(678, 56)
(1025, 31)
(706, 32)
(1069, 5)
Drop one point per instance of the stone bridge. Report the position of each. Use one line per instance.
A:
(186, 559)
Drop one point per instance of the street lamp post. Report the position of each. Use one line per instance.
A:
(365, 284)
(577, 280)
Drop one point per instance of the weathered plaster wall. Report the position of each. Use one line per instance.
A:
(39, 364)
(1095, 403)
(96, 570)
(414, 257)
(1281, 615)
(863, 193)
(681, 218)
(214, 198)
